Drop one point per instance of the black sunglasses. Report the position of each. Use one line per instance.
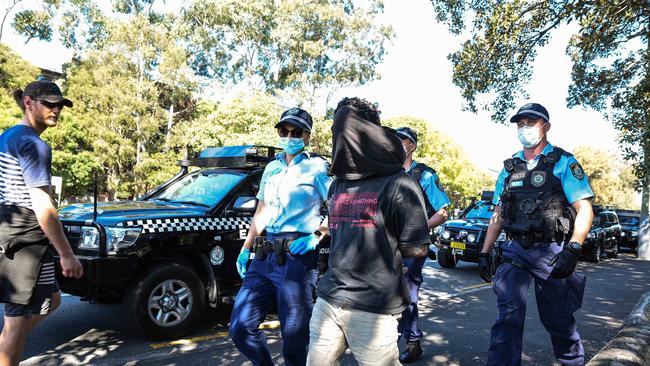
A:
(284, 132)
(51, 105)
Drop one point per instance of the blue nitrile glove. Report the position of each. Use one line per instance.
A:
(304, 244)
(242, 260)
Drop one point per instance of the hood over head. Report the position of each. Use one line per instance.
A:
(361, 148)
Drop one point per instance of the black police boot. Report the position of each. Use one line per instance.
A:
(412, 352)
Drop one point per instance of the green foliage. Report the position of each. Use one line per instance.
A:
(299, 45)
(33, 24)
(15, 73)
(611, 180)
(610, 55)
(461, 179)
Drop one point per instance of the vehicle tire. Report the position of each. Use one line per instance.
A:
(446, 260)
(614, 253)
(596, 253)
(166, 302)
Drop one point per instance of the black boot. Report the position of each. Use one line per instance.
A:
(412, 352)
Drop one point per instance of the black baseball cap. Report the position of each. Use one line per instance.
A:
(296, 117)
(47, 91)
(531, 110)
(407, 133)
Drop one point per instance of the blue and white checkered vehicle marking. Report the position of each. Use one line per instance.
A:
(190, 224)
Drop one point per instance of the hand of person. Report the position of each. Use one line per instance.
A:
(242, 260)
(304, 244)
(71, 267)
(565, 263)
(484, 267)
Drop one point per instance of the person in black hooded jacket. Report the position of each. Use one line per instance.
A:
(376, 218)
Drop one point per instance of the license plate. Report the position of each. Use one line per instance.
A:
(457, 245)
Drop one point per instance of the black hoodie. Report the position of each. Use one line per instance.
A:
(375, 208)
(361, 149)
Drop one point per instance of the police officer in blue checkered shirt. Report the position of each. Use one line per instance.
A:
(285, 267)
(436, 202)
(543, 203)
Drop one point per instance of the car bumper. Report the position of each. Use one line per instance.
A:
(104, 277)
(469, 254)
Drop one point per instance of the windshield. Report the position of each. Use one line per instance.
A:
(628, 220)
(482, 210)
(203, 187)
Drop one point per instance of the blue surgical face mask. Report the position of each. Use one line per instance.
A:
(292, 145)
(529, 136)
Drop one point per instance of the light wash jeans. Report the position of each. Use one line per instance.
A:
(372, 338)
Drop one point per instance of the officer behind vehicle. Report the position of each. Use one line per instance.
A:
(543, 203)
(436, 204)
(285, 267)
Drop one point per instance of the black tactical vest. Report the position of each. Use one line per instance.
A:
(416, 173)
(533, 201)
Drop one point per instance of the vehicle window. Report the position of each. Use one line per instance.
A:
(613, 219)
(482, 210)
(628, 220)
(597, 221)
(204, 187)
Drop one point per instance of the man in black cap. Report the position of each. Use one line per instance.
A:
(285, 267)
(28, 220)
(436, 202)
(543, 202)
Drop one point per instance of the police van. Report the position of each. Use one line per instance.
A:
(171, 253)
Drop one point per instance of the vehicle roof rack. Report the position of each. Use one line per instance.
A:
(245, 156)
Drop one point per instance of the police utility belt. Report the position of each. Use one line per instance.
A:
(279, 246)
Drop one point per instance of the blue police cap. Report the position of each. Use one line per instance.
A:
(296, 117)
(531, 110)
(407, 133)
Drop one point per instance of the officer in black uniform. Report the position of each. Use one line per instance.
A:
(543, 203)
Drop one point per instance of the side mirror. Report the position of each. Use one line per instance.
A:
(245, 204)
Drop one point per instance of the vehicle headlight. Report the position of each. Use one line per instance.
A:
(438, 230)
(446, 235)
(622, 233)
(591, 236)
(635, 233)
(502, 237)
(471, 238)
(89, 238)
(118, 237)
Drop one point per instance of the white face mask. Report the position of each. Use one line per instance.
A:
(530, 136)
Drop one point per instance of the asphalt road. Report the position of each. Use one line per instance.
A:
(457, 312)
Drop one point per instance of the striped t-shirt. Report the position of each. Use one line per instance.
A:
(25, 162)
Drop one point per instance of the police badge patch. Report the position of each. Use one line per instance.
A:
(217, 255)
(577, 171)
(538, 179)
(293, 111)
(439, 185)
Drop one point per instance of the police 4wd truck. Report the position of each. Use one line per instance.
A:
(171, 253)
(462, 239)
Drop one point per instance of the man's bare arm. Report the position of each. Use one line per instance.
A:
(584, 219)
(48, 219)
(438, 218)
(494, 230)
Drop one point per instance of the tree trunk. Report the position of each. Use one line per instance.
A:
(644, 230)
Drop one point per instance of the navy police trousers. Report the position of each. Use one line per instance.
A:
(408, 326)
(557, 300)
(291, 286)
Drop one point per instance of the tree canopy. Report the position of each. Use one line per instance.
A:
(610, 52)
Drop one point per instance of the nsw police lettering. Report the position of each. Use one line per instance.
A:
(358, 209)
(518, 175)
(517, 183)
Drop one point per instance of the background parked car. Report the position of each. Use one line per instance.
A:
(604, 236)
(630, 221)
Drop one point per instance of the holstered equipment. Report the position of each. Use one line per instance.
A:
(279, 246)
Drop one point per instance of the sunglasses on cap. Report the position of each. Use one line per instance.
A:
(284, 132)
(51, 105)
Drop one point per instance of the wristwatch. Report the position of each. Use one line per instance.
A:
(574, 247)
(318, 234)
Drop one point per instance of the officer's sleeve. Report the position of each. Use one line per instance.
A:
(435, 192)
(575, 182)
(323, 182)
(265, 176)
(499, 187)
